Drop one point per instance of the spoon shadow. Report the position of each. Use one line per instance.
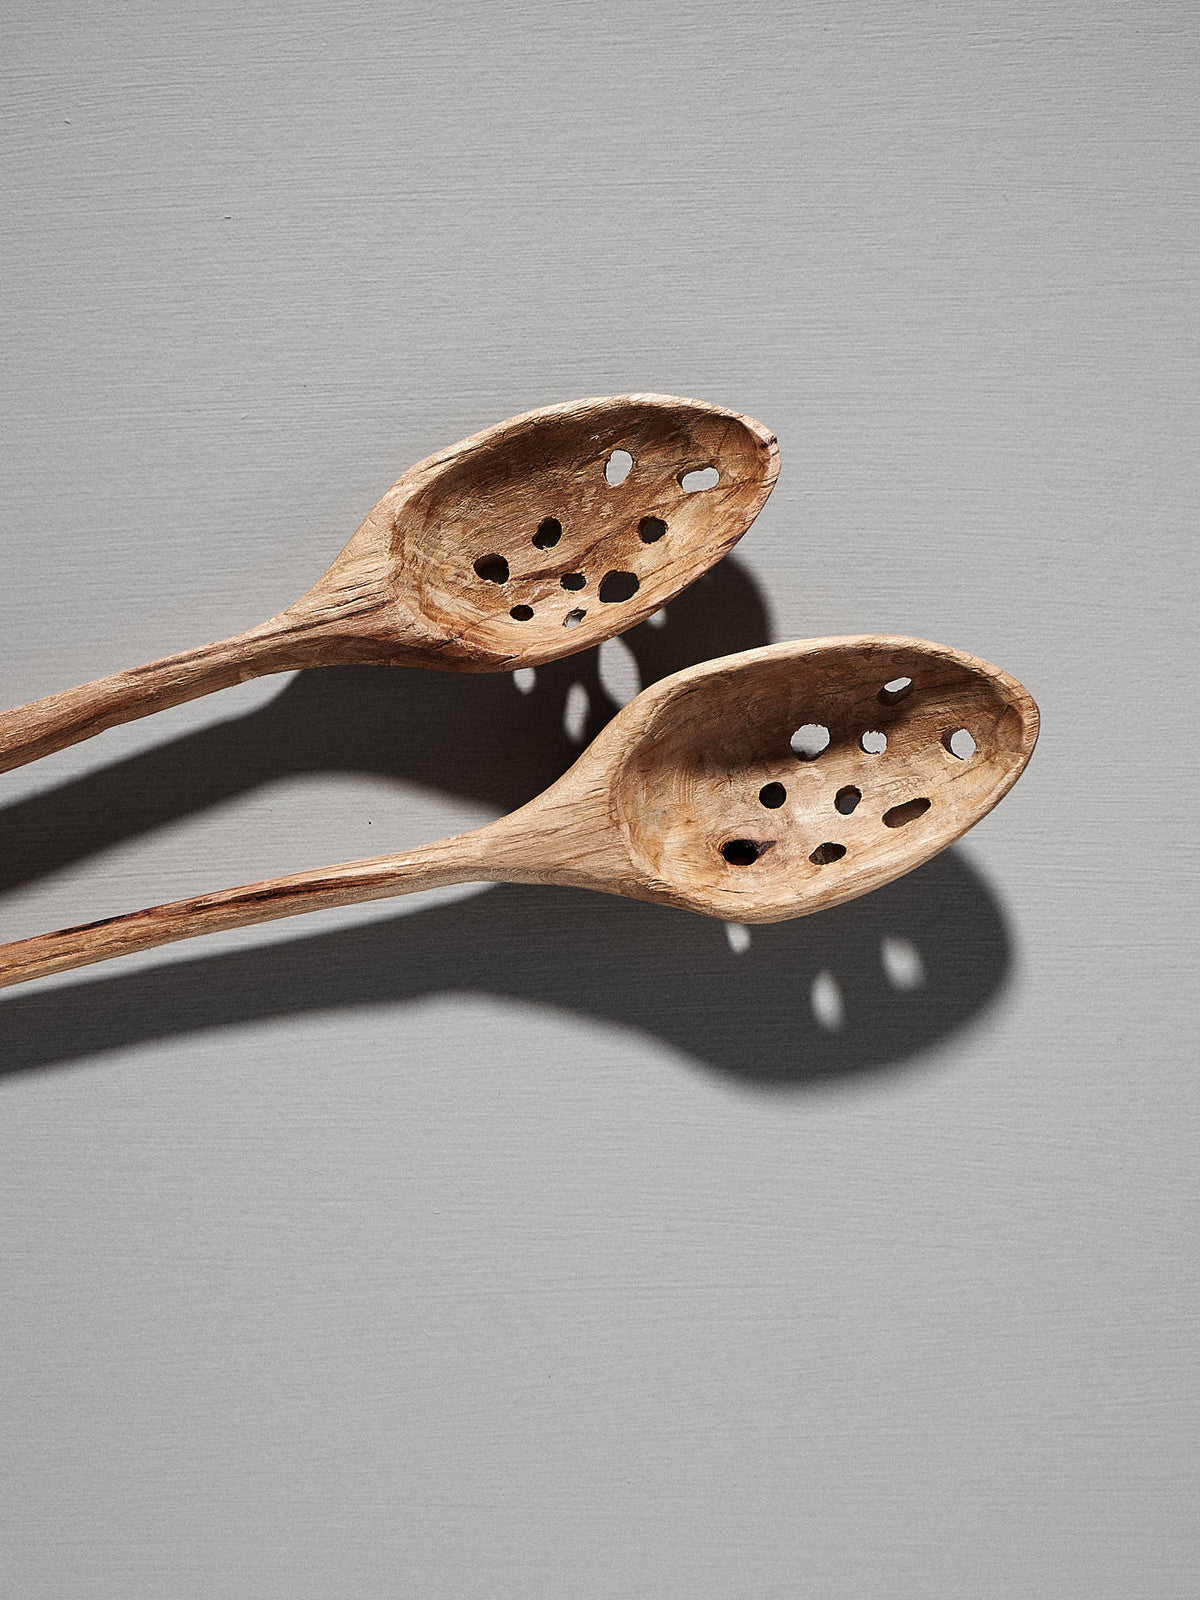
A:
(806, 999)
(861, 987)
(473, 735)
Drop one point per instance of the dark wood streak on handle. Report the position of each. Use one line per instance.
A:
(457, 860)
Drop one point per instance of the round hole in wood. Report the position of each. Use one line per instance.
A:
(809, 741)
(617, 586)
(521, 613)
(740, 852)
(699, 478)
(574, 618)
(572, 580)
(846, 799)
(549, 532)
(492, 569)
(772, 795)
(826, 853)
(960, 744)
(651, 529)
(874, 742)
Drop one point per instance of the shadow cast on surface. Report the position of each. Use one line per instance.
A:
(802, 1000)
(666, 974)
(469, 734)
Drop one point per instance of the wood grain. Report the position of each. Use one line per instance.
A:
(707, 792)
(511, 549)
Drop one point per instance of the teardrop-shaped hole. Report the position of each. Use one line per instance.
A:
(741, 852)
(898, 816)
(895, 690)
(617, 468)
(616, 586)
(492, 569)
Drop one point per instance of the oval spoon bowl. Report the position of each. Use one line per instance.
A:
(792, 778)
(554, 530)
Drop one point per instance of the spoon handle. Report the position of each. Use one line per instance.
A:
(456, 860)
(43, 726)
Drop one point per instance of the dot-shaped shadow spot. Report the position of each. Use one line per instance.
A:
(827, 1002)
(772, 795)
(826, 853)
(741, 852)
(492, 569)
(809, 741)
(615, 586)
(572, 580)
(846, 799)
(521, 613)
(909, 811)
(651, 529)
(549, 532)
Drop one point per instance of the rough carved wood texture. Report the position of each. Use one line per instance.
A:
(512, 548)
(695, 796)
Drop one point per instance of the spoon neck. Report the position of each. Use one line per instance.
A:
(356, 611)
(564, 836)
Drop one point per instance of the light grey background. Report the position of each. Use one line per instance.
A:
(511, 1242)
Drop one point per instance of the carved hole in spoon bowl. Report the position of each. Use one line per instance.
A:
(699, 779)
(542, 489)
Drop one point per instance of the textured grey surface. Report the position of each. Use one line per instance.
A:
(507, 1242)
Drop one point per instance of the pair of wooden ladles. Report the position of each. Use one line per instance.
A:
(757, 787)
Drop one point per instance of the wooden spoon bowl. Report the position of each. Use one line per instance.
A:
(536, 538)
(792, 778)
(758, 787)
(531, 542)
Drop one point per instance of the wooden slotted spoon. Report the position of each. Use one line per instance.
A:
(757, 787)
(536, 538)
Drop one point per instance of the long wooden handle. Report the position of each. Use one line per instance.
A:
(457, 860)
(43, 726)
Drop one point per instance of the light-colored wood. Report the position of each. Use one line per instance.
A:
(485, 557)
(694, 796)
